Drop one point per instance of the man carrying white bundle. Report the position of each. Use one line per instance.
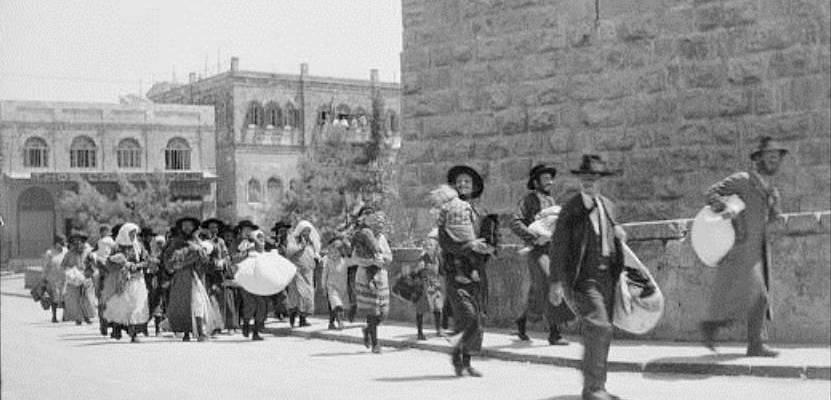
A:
(536, 210)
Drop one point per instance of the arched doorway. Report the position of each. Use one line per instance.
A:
(35, 222)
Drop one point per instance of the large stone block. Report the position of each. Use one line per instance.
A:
(553, 91)
(708, 104)
(490, 149)
(499, 96)
(512, 121)
(641, 110)
(704, 75)
(746, 70)
(481, 124)
(604, 113)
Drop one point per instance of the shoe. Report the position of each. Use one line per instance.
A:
(761, 351)
(523, 337)
(257, 336)
(245, 330)
(54, 320)
(331, 326)
(186, 338)
(708, 335)
(202, 338)
(376, 349)
(340, 325)
(78, 322)
(599, 395)
(303, 323)
(87, 321)
(103, 329)
(421, 336)
(365, 331)
(134, 339)
(557, 341)
(291, 320)
(473, 372)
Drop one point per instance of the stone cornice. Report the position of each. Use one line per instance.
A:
(61, 126)
(268, 149)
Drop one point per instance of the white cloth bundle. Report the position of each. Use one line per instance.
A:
(546, 221)
(74, 277)
(265, 274)
(713, 236)
(633, 313)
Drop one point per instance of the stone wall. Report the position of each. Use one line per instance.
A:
(675, 92)
(800, 281)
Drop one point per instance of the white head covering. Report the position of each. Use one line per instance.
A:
(123, 238)
(313, 234)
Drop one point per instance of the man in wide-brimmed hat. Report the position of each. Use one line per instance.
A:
(540, 183)
(220, 270)
(586, 257)
(742, 281)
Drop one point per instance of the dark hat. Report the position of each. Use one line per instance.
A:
(206, 223)
(246, 224)
(478, 183)
(115, 229)
(180, 221)
(280, 225)
(592, 164)
(146, 232)
(60, 238)
(766, 143)
(538, 170)
(78, 234)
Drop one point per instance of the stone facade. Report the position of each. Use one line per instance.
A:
(40, 140)
(800, 281)
(675, 92)
(257, 145)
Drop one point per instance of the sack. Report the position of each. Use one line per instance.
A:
(265, 274)
(639, 303)
(408, 288)
(711, 235)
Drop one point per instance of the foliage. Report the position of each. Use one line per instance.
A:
(147, 204)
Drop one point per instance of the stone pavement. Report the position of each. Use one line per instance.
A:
(795, 361)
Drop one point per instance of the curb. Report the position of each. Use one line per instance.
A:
(767, 371)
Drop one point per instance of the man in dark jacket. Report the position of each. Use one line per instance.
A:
(586, 257)
(540, 181)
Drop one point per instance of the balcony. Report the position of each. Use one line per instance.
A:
(271, 136)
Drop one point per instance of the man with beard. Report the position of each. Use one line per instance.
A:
(220, 270)
(743, 279)
(539, 198)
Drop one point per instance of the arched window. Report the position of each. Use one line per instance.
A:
(275, 188)
(273, 114)
(323, 115)
(290, 116)
(35, 153)
(82, 153)
(254, 115)
(128, 154)
(255, 191)
(177, 154)
(392, 117)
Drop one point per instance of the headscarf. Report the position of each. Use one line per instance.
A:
(313, 235)
(123, 238)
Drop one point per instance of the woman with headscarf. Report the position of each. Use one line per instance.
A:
(465, 258)
(184, 257)
(254, 306)
(128, 306)
(334, 279)
(53, 275)
(373, 256)
(78, 266)
(302, 249)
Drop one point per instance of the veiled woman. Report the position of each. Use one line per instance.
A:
(128, 306)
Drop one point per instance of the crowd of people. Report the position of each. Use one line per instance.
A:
(185, 280)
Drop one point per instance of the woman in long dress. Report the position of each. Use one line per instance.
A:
(372, 290)
(53, 274)
(128, 306)
(335, 280)
(303, 249)
(432, 301)
(79, 293)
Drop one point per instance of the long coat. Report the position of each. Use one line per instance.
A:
(301, 292)
(183, 257)
(743, 274)
(569, 240)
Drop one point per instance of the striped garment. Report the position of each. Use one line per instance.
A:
(372, 289)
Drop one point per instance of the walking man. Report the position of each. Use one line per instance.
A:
(540, 182)
(586, 257)
(742, 280)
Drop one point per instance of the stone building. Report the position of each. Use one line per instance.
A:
(48, 146)
(265, 122)
(674, 92)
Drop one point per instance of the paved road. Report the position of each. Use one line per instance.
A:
(44, 360)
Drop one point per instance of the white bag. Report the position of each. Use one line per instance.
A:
(265, 274)
(712, 236)
(632, 313)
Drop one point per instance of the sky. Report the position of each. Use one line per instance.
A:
(97, 50)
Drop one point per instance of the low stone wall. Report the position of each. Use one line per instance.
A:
(800, 281)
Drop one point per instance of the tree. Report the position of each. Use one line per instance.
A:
(146, 203)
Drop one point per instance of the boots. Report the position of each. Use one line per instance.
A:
(760, 350)
(246, 328)
(116, 333)
(353, 309)
(554, 336)
(303, 321)
(520, 325)
(373, 333)
(200, 330)
(186, 337)
(437, 321)
(339, 317)
(133, 334)
(419, 325)
(256, 335)
(470, 370)
(708, 334)
(102, 327)
(331, 319)
(456, 360)
(54, 314)
(292, 317)
(157, 320)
